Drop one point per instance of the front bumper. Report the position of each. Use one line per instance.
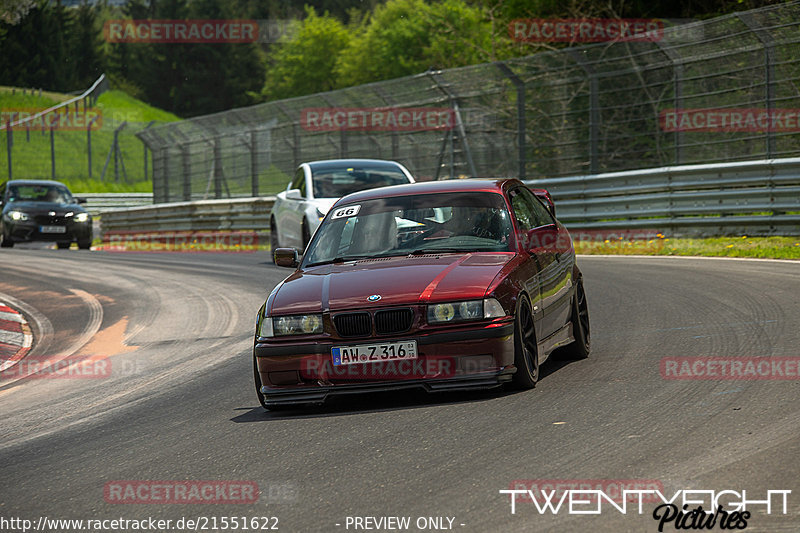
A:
(28, 231)
(457, 360)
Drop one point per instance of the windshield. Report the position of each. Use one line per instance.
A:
(338, 182)
(443, 222)
(39, 193)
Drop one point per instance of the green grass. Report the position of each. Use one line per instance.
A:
(30, 153)
(119, 106)
(742, 246)
(12, 97)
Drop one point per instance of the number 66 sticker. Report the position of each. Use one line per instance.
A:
(346, 212)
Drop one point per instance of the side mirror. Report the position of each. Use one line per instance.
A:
(294, 194)
(286, 257)
(546, 239)
(80, 200)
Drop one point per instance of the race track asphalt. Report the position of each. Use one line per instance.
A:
(175, 401)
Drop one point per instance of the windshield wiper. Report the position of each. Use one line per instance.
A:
(426, 251)
(337, 260)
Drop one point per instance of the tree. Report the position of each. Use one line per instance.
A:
(85, 46)
(406, 37)
(304, 62)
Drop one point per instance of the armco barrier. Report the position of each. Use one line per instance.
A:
(753, 197)
(97, 202)
(205, 215)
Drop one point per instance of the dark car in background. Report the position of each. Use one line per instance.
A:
(450, 285)
(43, 210)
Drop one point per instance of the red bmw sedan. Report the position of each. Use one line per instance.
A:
(440, 286)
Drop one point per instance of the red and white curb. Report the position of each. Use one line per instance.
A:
(15, 336)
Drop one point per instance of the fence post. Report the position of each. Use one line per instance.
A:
(52, 152)
(254, 163)
(187, 174)
(117, 153)
(217, 169)
(459, 124)
(391, 102)
(594, 111)
(145, 150)
(677, 85)
(9, 145)
(520, 85)
(769, 72)
(89, 143)
(163, 156)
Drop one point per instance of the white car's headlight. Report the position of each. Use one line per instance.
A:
(81, 217)
(17, 215)
(460, 311)
(295, 325)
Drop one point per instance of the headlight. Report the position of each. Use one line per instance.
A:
(296, 325)
(17, 215)
(460, 311)
(81, 217)
(320, 214)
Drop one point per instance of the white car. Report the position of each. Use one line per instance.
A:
(315, 188)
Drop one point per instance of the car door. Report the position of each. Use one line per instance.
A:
(542, 273)
(556, 290)
(290, 214)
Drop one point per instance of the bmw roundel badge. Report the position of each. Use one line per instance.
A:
(374, 297)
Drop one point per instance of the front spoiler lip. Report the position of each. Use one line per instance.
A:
(318, 395)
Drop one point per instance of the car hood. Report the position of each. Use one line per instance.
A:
(37, 208)
(398, 280)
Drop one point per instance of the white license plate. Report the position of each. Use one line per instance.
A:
(53, 229)
(374, 353)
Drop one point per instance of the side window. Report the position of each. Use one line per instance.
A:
(523, 211)
(543, 216)
(299, 180)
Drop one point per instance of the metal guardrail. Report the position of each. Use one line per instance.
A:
(205, 215)
(97, 202)
(753, 197)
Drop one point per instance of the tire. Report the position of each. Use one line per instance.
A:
(306, 236)
(85, 245)
(580, 326)
(273, 238)
(526, 357)
(5, 242)
(63, 245)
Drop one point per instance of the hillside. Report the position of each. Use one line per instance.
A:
(31, 149)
